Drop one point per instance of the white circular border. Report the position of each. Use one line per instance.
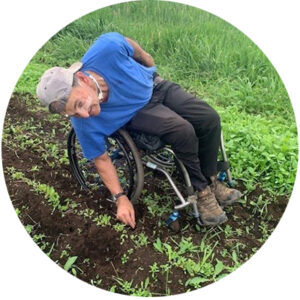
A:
(27, 273)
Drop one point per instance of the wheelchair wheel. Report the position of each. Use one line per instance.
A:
(163, 157)
(125, 157)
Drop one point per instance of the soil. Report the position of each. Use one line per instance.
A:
(99, 249)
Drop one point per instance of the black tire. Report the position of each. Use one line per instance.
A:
(124, 156)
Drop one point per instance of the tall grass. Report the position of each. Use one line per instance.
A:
(210, 58)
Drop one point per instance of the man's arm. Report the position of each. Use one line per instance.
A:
(108, 173)
(140, 55)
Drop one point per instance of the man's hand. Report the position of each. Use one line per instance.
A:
(140, 55)
(125, 211)
(108, 173)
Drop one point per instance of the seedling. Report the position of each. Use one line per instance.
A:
(196, 282)
(139, 240)
(69, 265)
(154, 269)
(64, 253)
(127, 287)
(228, 231)
(158, 245)
(124, 258)
(97, 281)
(88, 213)
(130, 251)
(102, 220)
(35, 168)
(119, 227)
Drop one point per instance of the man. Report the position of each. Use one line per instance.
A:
(116, 84)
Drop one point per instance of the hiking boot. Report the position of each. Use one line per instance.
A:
(224, 195)
(210, 211)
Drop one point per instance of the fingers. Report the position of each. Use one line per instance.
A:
(125, 212)
(127, 220)
(127, 217)
(131, 219)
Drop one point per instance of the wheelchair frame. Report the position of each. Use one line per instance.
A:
(123, 147)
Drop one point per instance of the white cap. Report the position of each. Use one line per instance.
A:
(56, 84)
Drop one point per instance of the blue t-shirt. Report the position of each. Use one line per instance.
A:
(130, 87)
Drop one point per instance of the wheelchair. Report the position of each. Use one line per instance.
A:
(130, 152)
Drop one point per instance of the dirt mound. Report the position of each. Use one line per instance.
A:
(99, 243)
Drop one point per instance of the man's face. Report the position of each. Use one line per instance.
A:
(83, 102)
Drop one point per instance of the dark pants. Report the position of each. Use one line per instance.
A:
(188, 124)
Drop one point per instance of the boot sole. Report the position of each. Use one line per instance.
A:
(229, 202)
(220, 220)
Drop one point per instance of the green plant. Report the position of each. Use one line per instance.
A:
(219, 267)
(102, 220)
(127, 288)
(35, 168)
(64, 253)
(260, 206)
(155, 209)
(264, 231)
(70, 264)
(18, 212)
(186, 245)
(119, 227)
(124, 258)
(154, 269)
(39, 239)
(139, 240)
(228, 231)
(166, 269)
(158, 245)
(97, 281)
(130, 251)
(196, 282)
(87, 213)
(123, 237)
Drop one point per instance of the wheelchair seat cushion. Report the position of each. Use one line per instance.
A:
(146, 141)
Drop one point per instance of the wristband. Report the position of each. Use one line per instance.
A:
(117, 196)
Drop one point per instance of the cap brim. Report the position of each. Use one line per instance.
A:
(75, 67)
